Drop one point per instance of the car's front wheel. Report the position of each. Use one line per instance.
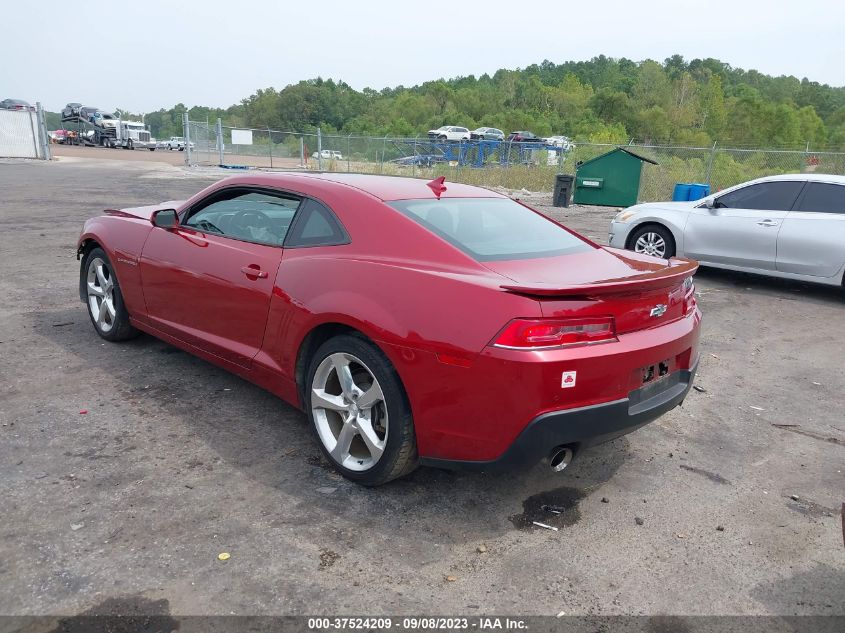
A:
(104, 299)
(654, 240)
(359, 411)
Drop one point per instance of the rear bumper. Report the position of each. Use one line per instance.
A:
(584, 426)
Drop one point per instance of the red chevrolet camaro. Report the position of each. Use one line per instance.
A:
(413, 321)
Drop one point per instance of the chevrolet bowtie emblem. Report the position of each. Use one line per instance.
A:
(658, 310)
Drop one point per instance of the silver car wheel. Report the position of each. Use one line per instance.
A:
(651, 244)
(100, 285)
(349, 411)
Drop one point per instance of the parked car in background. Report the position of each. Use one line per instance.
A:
(524, 136)
(329, 290)
(88, 113)
(327, 154)
(790, 226)
(449, 133)
(174, 142)
(16, 104)
(71, 111)
(104, 119)
(58, 136)
(563, 142)
(487, 134)
(420, 160)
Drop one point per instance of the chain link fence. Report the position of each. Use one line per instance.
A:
(496, 164)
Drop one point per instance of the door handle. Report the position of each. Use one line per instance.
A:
(249, 271)
(767, 223)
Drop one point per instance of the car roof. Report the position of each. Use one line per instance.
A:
(385, 188)
(813, 177)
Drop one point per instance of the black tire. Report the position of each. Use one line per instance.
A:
(656, 229)
(119, 329)
(400, 450)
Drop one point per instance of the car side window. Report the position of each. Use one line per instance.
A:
(764, 196)
(316, 225)
(248, 215)
(824, 198)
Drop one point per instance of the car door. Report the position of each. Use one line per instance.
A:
(741, 228)
(208, 280)
(812, 240)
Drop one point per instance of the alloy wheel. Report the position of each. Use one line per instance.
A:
(651, 243)
(349, 411)
(100, 286)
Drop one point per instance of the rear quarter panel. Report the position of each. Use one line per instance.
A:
(431, 325)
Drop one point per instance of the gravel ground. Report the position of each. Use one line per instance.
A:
(728, 505)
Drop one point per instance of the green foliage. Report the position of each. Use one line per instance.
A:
(603, 99)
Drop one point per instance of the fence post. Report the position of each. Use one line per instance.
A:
(383, 147)
(186, 134)
(42, 131)
(270, 145)
(710, 164)
(348, 152)
(219, 132)
(302, 152)
(414, 160)
(319, 150)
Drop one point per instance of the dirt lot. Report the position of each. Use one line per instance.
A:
(728, 505)
(170, 157)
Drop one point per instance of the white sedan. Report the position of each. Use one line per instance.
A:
(450, 133)
(790, 226)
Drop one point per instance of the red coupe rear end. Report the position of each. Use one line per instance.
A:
(412, 321)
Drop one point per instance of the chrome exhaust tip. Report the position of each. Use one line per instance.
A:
(560, 458)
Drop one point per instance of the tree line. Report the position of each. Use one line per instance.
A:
(677, 102)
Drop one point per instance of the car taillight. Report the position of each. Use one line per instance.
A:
(689, 296)
(540, 333)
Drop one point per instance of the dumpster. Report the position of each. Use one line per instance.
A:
(612, 179)
(562, 190)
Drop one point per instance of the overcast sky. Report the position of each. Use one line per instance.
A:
(152, 54)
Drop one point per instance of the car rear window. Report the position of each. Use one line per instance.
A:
(490, 229)
(824, 198)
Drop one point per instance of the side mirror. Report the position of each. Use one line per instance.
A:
(710, 203)
(165, 218)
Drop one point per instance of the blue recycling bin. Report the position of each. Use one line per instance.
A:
(681, 193)
(697, 191)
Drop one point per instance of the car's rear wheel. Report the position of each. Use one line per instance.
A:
(654, 240)
(104, 299)
(359, 412)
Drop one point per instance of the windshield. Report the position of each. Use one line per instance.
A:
(491, 229)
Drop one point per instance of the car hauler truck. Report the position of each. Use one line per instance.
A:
(132, 134)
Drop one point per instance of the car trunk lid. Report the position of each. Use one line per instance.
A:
(637, 290)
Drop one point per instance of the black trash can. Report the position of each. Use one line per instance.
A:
(562, 190)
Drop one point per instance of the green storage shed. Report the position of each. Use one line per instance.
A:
(611, 180)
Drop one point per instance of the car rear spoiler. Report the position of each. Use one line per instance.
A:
(666, 278)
